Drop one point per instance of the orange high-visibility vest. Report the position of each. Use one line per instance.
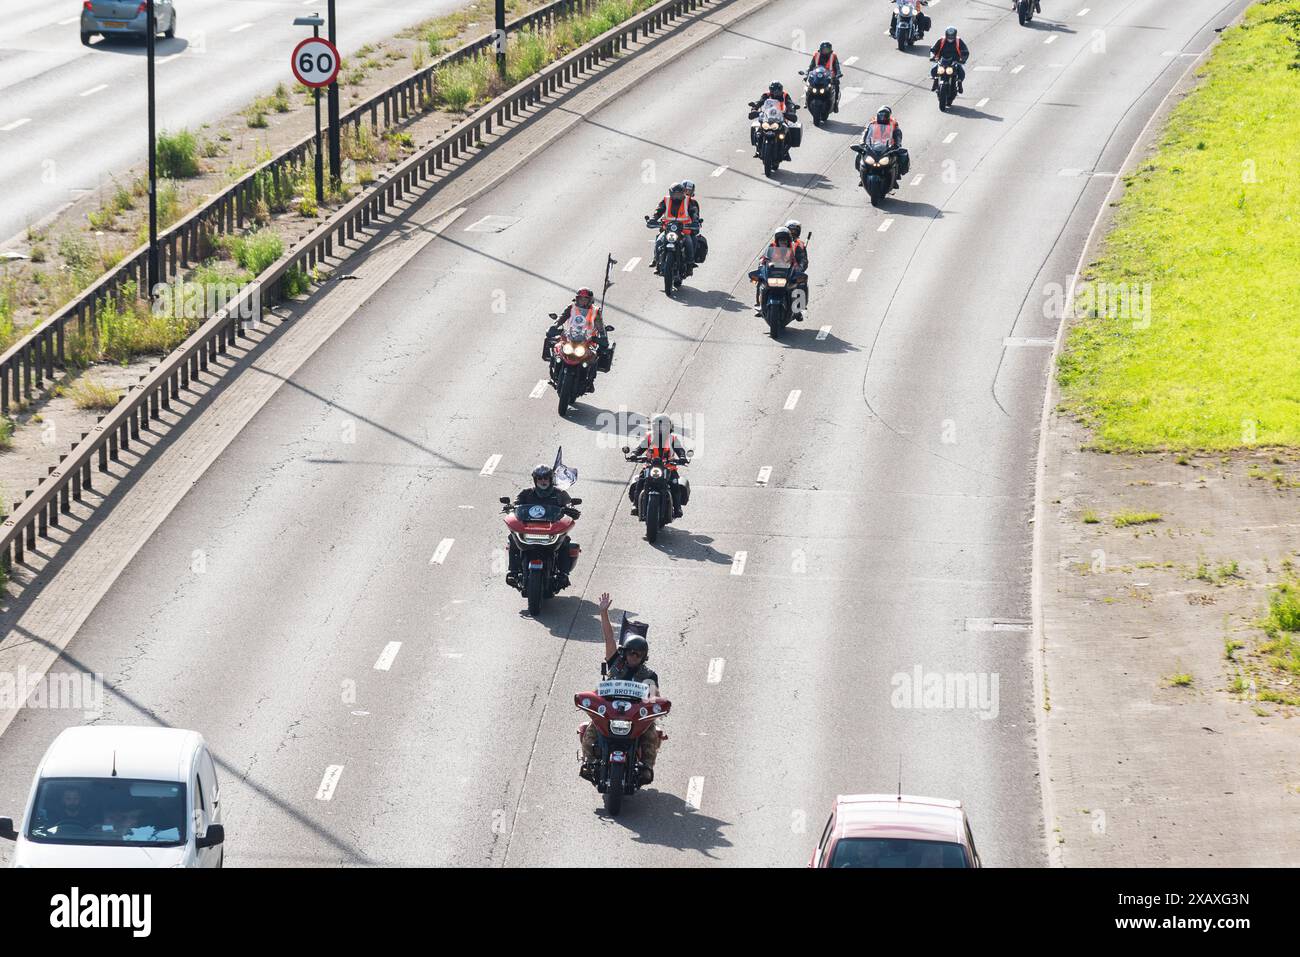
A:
(682, 216)
(885, 131)
(586, 316)
(829, 64)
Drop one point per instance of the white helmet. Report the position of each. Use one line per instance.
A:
(661, 430)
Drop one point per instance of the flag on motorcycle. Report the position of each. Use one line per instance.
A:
(564, 476)
(640, 629)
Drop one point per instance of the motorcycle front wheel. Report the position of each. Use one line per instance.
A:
(614, 791)
(536, 593)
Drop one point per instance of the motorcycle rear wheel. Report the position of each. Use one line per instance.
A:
(670, 274)
(774, 315)
(652, 522)
(536, 593)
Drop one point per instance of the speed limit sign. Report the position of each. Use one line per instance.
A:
(315, 62)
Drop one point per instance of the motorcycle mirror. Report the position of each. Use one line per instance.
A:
(753, 114)
(626, 450)
(575, 501)
(802, 73)
(857, 148)
(608, 327)
(554, 315)
(504, 501)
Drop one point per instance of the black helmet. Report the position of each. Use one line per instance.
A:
(677, 190)
(638, 644)
(883, 114)
(584, 293)
(795, 228)
(544, 472)
(776, 89)
(825, 47)
(951, 33)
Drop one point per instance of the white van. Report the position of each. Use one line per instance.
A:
(122, 797)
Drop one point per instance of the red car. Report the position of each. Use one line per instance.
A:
(895, 830)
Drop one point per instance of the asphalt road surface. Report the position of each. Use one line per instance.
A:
(72, 117)
(892, 533)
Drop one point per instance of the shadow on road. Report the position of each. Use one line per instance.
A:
(969, 113)
(677, 543)
(903, 207)
(135, 46)
(664, 820)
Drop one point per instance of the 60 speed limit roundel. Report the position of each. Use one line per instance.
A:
(315, 62)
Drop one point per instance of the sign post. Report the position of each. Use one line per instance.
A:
(336, 148)
(315, 63)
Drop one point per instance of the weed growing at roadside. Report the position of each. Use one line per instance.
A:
(1125, 519)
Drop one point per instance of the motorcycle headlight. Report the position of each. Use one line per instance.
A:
(656, 472)
(884, 161)
(777, 282)
(540, 539)
(580, 351)
(769, 126)
(868, 161)
(620, 727)
(906, 11)
(949, 70)
(568, 349)
(780, 136)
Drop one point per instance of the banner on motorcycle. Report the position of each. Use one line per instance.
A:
(565, 476)
(640, 629)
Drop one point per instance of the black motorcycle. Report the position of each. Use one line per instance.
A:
(947, 77)
(879, 169)
(654, 504)
(1025, 11)
(546, 555)
(671, 260)
(780, 292)
(819, 93)
(773, 132)
(908, 24)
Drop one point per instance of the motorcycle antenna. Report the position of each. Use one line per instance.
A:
(610, 263)
(900, 777)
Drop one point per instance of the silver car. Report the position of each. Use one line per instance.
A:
(125, 18)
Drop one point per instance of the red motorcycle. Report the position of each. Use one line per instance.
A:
(576, 356)
(622, 717)
(546, 556)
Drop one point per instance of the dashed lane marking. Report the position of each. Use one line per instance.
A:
(329, 782)
(715, 670)
(385, 659)
(490, 465)
(440, 555)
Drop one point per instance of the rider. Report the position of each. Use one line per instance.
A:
(582, 306)
(885, 130)
(922, 20)
(701, 244)
(545, 493)
(953, 47)
(826, 56)
(660, 442)
(776, 91)
(627, 663)
(783, 238)
(800, 247)
(679, 207)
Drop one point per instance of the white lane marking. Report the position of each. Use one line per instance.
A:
(1051, 39)
(454, 654)
(64, 23)
(764, 474)
(997, 624)
(792, 399)
(854, 274)
(883, 227)
(490, 465)
(15, 124)
(174, 56)
(1069, 171)
(632, 264)
(329, 782)
(738, 563)
(850, 61)
(385, 659)
(1012, 341)
(950, 137)
(94, 89)
(733, 58)
(981, 103)
(823, 332)
(990, 67)
(1106, 175)
(1084, 12)
(440, 555)
(1018, 69)
(241, 27)
(715, 670)
(538, 389)
(916, 180)
(695, 793)
(719, 171)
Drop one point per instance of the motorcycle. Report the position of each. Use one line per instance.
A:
(772, 131)
(907, 24)
(574, 353)
(779, 286)
(542, 534)
(655, 501)
(819, 93)
(670, 251)
(947, 77)
(622, 717)
(878, 168)
(1025, 11)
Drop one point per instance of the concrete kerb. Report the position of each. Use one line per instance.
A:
(1144, 142)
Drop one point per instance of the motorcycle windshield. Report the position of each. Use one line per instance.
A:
(771, 112)
(577, 331)
(819, 77)
(780, 257)
(539, 514)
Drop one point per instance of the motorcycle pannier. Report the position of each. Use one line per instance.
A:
(701, 249)
(794, 134)
(923, 22)
(606, 359)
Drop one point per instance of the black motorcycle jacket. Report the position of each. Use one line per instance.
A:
(553, 497)
(954, 48)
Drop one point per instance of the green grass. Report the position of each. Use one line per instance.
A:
(87, 394)
(1211, 224)
(254, 252)
(178, 155)
(1125, 519)
(1090, 517)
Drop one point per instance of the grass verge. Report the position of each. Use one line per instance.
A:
(1207, 244)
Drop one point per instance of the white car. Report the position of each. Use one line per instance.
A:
(109, 796)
